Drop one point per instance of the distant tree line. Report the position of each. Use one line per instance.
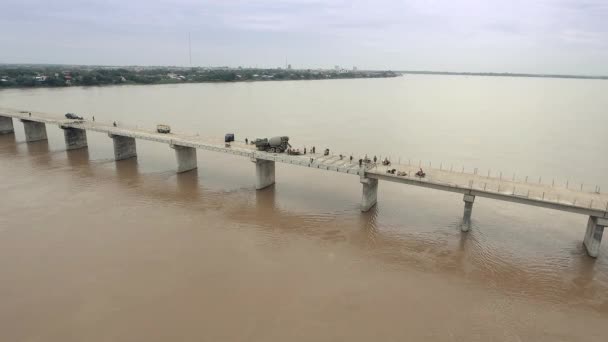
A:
(57, 76)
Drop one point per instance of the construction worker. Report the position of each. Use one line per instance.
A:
(360, 162)
(246, 141)
(304, 150)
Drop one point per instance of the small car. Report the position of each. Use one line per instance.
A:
(73, 116)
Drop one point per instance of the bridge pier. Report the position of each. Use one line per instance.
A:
(124, 147)
(75, 138)
(468, 209)
(186, 158)
(6, 125)
(593, 235)
(370, 192)
(34, 131)
(264, 173)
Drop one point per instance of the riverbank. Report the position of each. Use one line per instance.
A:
(12, 76)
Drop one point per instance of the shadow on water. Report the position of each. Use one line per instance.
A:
(8, 143)
(80, 162)
(79, 158)
(188, 188)
(127, 171)
(265, 200)
(367, 222)
(39, 151)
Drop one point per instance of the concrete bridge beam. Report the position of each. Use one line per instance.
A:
(34, 131)
(124, 147)
(593, 235)
(264, 173)
(369, 197)
(468, 209)
(75, 138)
(186, 158)
(6, 125)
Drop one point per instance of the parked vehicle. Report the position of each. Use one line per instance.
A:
(229, 137)
(163, 129)
(273, 145)
(73, 116)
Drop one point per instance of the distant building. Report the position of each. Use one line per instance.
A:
(354, 68)
(337, 67)
(288, 66)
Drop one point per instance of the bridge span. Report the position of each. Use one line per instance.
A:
(471, 185)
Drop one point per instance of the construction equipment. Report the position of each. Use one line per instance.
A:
(163, 129)
(273, 145)
(73, 116)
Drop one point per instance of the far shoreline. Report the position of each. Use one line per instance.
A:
(12, 77)
(189, 83)
(503, 74)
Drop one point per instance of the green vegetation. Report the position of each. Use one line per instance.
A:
(61, 76)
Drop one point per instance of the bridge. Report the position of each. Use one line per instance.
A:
(470, 184)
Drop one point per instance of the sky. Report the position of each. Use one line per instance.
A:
(544, 36)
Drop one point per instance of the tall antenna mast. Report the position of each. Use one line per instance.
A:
(190, 49)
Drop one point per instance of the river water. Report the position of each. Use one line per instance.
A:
(93, 250)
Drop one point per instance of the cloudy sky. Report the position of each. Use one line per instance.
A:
(557, 36)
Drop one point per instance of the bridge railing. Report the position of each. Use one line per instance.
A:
(579, 196)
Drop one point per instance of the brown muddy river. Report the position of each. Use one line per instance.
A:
(97, 250)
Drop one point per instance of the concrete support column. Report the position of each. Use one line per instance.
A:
(34, 131)
(186, 158)
(264, 173)
(124, 147)
(593, 236)
(468, 209)
(370, 192)
(6, 125)
(75, 138)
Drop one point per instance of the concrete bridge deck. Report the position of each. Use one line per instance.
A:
(593, 204)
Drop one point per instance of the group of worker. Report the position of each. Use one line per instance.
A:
(366, 160)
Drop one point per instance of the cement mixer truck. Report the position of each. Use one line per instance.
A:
(273, 145)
